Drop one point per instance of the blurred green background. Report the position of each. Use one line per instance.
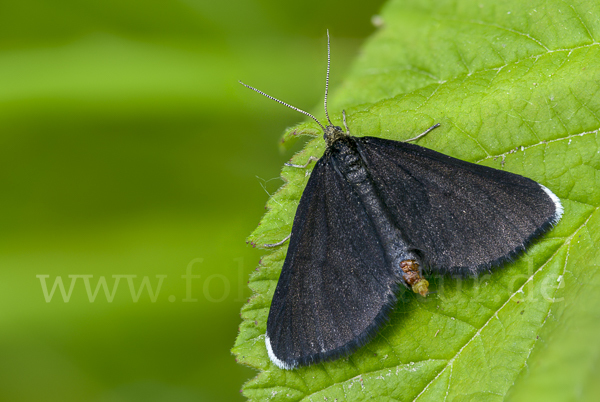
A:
(127, 147)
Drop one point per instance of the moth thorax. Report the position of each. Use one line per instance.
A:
(349, 162)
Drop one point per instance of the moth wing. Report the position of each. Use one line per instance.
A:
(459, 216)
(336, 286)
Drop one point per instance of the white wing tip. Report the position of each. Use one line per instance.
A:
(559, 208)
(279, 363)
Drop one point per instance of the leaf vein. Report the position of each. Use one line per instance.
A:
(458, 353)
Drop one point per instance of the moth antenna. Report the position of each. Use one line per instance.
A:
(327, 79)
(285, 104)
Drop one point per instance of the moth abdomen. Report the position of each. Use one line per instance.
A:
(352, 168)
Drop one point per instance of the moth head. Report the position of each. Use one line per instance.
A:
(332, 133)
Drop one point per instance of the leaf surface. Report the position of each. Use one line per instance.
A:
(515, 87)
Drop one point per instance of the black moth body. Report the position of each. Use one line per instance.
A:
(374, 213)
(372, 206)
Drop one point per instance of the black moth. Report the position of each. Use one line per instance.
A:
(373, 213)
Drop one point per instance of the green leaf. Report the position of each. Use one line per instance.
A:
(514, 87)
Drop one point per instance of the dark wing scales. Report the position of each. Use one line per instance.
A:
(336, 286)
(461, 217)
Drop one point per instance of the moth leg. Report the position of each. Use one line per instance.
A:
(424, 133)
(278, 243)
(311, 159)
(413, 278)
(345, 125)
